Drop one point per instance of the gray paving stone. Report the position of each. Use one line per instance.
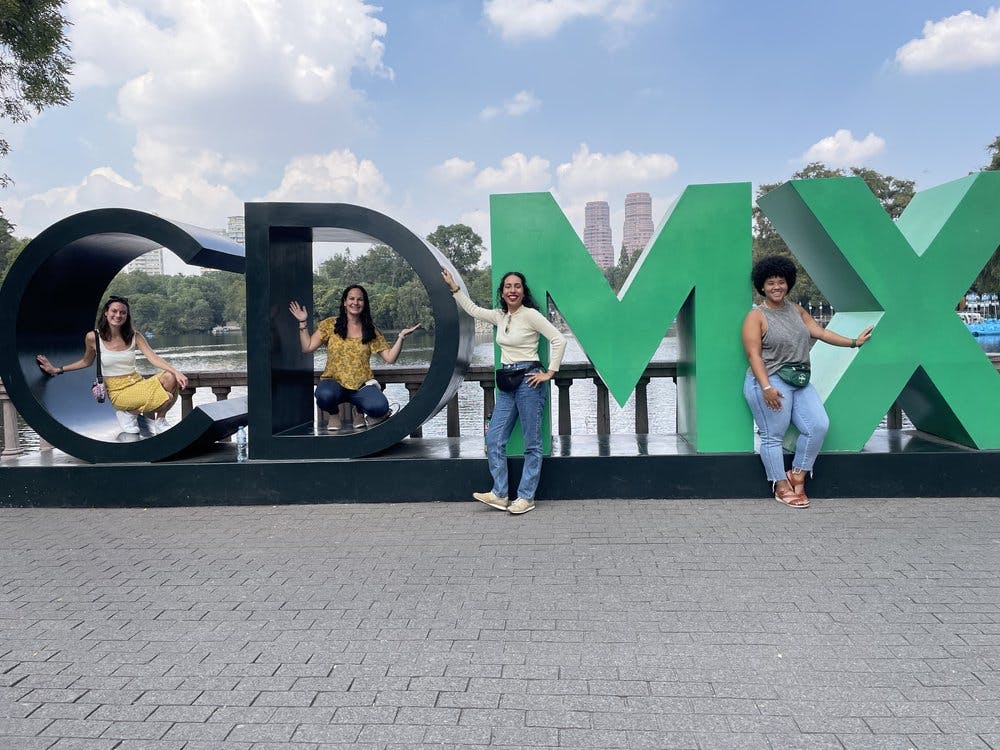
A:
(680, 624)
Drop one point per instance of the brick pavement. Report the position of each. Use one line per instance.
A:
(586, 624)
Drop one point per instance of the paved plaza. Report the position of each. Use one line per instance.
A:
(855, 624)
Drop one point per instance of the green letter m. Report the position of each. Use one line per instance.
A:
(696, 269)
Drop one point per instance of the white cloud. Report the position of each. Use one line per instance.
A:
(517, 173)
(518, 19)
(200, 204)
(453, 169)
(521, 103)
(842, 150)
(213, 89)
(594, 173)
(333, 177)
(958, 42)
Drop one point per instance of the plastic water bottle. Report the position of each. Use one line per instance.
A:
(241, 444)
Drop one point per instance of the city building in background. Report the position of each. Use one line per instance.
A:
(151, 263)
(236, 229)
(597, 233)
(638, 227)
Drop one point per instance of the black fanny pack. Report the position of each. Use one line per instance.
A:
(509, 379)
(795, 373)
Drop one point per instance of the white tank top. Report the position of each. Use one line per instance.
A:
(114, 364)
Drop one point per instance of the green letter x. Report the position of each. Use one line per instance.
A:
(906, 278)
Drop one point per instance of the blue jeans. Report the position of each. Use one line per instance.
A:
(369, 398)
(525, 403)
(799, 406)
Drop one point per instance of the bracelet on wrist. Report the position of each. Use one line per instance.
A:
(767, 387)
(62, 370)
(854, 343)
(303, 327)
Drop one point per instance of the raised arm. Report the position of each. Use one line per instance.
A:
(391, 354)
(309, 343)
(832, 337)
(89, 352)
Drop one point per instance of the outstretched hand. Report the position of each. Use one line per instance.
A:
(298, 311)
(863, 337)
(45, 366)
(448, 278)
(407, 331)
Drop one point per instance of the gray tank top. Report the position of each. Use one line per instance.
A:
(786, 340)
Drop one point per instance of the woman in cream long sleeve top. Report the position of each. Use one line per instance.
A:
(519, 323)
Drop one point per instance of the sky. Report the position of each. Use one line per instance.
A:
(421, 109)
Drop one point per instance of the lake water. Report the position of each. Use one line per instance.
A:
(227, 353)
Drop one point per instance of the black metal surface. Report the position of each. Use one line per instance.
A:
(279, 269)
(50, 299)
(450, 469)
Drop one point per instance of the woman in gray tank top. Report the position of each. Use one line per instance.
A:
(778, 333)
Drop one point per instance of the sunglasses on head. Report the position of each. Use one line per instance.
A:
(115, 298)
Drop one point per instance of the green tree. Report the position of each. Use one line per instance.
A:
(34, 61)
(459, 244)
(989, 278)
(10, 246)
(994, 164)
(480, 284)
(894, 194)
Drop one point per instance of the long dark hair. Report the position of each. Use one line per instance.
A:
(368, 331)
(104, 327)
(529, 301)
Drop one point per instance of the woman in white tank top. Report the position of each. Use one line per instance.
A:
(129, 392)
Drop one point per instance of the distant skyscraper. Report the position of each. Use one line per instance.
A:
(151, 263)
(236, 230)
(638, 226)
(597, 233)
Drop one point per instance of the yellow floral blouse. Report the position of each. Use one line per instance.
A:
(348, 361)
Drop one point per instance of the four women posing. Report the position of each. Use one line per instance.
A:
(777, 336)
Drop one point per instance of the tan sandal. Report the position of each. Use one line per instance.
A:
(798, 485)
(788, 496)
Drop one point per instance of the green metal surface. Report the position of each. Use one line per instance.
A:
(696, 269)
(904, 278)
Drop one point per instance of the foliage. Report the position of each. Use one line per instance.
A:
(10, 246)
(183, 304)
(989, 278)
(397, 296)
(459, 244)
(893, 193)
(34, 61)
(994, 164)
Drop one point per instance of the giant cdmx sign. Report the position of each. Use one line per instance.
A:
(902, 276)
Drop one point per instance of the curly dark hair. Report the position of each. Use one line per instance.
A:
(368, 331)
(529, 301)
(773, 265)
(104, 328)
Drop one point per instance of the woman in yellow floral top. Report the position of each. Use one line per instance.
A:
(351, 338)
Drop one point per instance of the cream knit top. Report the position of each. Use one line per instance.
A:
(517, 333)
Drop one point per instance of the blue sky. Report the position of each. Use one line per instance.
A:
(422, 108)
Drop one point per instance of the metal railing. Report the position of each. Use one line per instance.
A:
(222, 383)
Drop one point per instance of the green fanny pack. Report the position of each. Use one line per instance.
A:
(795, 373)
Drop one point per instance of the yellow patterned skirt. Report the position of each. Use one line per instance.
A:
(135, 393)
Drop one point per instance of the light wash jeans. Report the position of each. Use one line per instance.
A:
(525, 403)
(799, 406)
(368, 398)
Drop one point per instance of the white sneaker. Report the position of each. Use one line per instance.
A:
(521, 505)
(492, 500)
(128, 422)
(160, 426)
